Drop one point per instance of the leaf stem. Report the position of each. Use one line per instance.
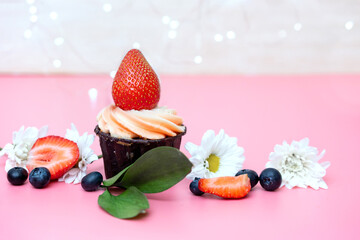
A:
(100, 156)
(1, 149)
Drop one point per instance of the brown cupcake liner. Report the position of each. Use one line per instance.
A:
(118, 153)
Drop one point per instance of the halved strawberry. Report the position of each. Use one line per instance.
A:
(136, 85)
(226, 187)
(55, 153)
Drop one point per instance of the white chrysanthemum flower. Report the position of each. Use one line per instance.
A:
(218, 155)
(18, 150)
(87, 156)
(298, 164)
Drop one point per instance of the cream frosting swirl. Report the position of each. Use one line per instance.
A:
(157, 123)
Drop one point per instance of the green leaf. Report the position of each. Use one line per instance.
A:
(157, 170)
(126, 205)
(111, 181)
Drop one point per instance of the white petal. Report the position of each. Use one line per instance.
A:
(73, 171)
(293, 142)
(275, 161)
(77, 180)
(322, 184)
(226, 171)
(222, 138)
(286, 176)
(279, 149)
(9, 165)
(196, 172)
(223, 143)
(230, 152)
(209, 174)
(321, 156)
(79, 177)
(73, 127)
(43, 131)
(81, 142)
(85, 152)
(285, 144)
(304, 142)
(316, 170)
(232, 141)
(90, 139)
(325, 164)
(269, 164)
(91, 158)
(191, 148)
(241, 150)
(302, 185)
(70, 178)
(71, 135)
(289, 186)
(85, 141)
(30, 134)
(17, 136)
(314, 185)
(272, 156)
(196, 160)
(294, 181)
(81, 164)
(208, 139)
(7, 149)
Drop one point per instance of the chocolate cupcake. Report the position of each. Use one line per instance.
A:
(118, 153)
(135, 124)
(126, 135)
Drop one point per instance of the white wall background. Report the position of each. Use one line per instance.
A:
(181, 36)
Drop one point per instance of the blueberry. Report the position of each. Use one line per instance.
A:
(254, 178)
(92, 181)
(17, 175)
(194, 187)
(39, 177)
(270, 179)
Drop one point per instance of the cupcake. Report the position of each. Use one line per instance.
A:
(135, 124)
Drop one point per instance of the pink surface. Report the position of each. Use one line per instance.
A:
(259, 111)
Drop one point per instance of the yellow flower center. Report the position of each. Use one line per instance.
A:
(214, 163)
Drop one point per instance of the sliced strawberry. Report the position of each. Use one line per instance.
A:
(136, 85)
(55, 153)
(226, 187)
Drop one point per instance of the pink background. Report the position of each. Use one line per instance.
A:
(259, 111)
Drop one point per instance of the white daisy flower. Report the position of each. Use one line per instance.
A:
(23, 140)
(298, 164)
(87, 156)
(218, 155)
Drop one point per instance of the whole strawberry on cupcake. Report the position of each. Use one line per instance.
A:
(136, 86)
(135, 124)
